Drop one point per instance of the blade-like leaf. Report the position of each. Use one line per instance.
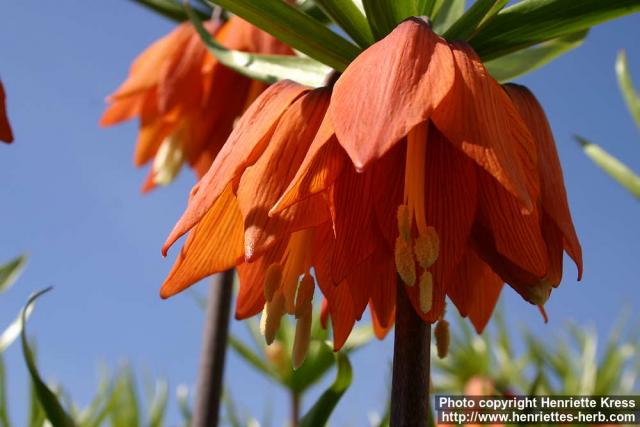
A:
(614, 167)
(380, 17)
(124, 407)
(52, 407)
(10, 271)
(158, 405)
(4, 415)
(530, 22)
(348, 17)
(182, 397)
(525, 61)
(171, 9)
(13, 330)
(320, 412)
(464, 27)
(631, 97)
(296, 29)
(267, 68)
(448, 13)
(250, 357)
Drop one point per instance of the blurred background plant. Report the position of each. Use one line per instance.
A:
(610, 164)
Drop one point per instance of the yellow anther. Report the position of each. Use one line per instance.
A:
(263, 320)
(275, 310)
(272, 281)
(405, 264)
(302, 339)
(304, 297)
(538, 294)
(168, 161)
(404, 222)
(442, 338)
(426, 291)
(427, 247)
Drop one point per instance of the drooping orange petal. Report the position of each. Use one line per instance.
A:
(244, 146)
(389, 89)
(389, 183)
(352, 202)
(6, 134)
(379, 329)
(474, 288)
(262, 183)
(241, 35)
(383, 290)
(124, 109)
(451, 194)
(553, 193)
(321, 166)
(146, 69)
(479, 118)
(214, 245)
(251, 276)
(507, 237)
(339, 300)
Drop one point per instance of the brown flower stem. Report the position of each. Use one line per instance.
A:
(411, 362)
(295, 408)
(216, 330)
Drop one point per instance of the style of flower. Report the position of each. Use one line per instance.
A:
(6, 134)
(186, 101)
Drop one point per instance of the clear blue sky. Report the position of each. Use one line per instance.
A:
(70, 197)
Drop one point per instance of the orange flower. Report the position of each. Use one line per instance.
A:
(185, 99)
(5, 129)
(455, 182)
(420, 165)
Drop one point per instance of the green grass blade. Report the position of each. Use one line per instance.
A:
(525, 61)
(124, 404)
(267, 68)
(612, 166)
(631, 96)
(320, 412)
(10, 271)
(296, 29)
(530, 22)
(14, 329)
(348, 17)
(52, 407)
(4, 412)
(158, 404)
(250, 357)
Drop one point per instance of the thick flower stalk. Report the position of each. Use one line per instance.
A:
(416, 164)
(6, 134)
(186, 101)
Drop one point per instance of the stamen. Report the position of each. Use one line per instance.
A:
(404, 222)
(442, 338)
(298, 261)
(414, 179)
(544, 313)
(263, 320)
(275, 310)
(168, 161)
(302, 338)
(427, 248)
(272, 281)
(426, 291)
(405, 264)
(304, 298)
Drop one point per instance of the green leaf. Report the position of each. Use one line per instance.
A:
(464, 27)
(525, 61)
(348, 17)
(10, 271)
(267, 68)
(446, 14)
(250, 357)
(158, 405)
(320, 359)
(52, 407)
(320, 412)
(296, 29)
(4, 415)
(380, 17)
(13, 330)
(171, 9)
(614, 167)
(182, 397)
(124, 400)
(530, 22)
(631, 97)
